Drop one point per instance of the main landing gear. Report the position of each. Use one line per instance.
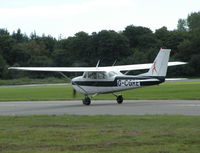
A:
(119, 98)
(86, 100)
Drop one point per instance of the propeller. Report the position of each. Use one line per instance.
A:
(74, 93)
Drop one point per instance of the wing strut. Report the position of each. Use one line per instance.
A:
(64, 75)
(86, 93)
(73, 82)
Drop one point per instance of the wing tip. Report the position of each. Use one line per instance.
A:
(11, 68)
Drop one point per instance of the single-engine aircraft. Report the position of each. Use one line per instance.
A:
(101, 80)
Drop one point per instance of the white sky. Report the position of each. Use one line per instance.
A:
(67, 17)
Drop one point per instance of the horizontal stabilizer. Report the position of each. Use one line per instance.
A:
(176, 79)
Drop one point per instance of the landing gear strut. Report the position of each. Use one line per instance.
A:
(86, 100)
(119, 99)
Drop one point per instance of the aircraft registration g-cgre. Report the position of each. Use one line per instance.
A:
(101, 80)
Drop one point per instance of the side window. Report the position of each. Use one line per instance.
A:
(92, 75)
(95, 75)
(101, 75)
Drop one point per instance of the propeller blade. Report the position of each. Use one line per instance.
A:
(74, 93)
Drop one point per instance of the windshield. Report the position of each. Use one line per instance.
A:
(95, 75)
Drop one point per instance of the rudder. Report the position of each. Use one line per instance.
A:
(160, 64)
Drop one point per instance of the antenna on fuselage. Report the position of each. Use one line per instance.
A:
(114, 62)
(98, 63)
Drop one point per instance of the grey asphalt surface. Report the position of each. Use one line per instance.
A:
(129, 107)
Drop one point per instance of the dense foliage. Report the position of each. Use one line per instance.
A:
(135, 44)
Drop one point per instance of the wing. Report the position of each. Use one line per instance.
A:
(142, 66)
(93, 69)
(56, 69)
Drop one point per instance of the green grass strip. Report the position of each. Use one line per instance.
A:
(169, 90)
(100, 134)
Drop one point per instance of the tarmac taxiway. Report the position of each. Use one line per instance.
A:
(129, 107)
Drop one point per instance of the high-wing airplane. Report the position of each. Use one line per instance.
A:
(110, 79)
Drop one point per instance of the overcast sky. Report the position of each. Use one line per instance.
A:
(67, 17)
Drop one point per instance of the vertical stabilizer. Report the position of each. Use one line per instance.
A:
(160, 64)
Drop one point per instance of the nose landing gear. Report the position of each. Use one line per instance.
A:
(86, 100)
(119, 99)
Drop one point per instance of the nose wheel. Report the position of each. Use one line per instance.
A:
(86, 101)
(120, 99)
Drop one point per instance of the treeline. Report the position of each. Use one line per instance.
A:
(135, 44)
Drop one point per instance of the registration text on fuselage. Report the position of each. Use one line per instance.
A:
(128, 83)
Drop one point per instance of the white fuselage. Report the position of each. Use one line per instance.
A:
(109, 82)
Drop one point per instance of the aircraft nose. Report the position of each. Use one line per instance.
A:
(74, 80)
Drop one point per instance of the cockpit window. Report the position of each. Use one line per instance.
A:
(92, 75)
(95, 75)
(101, 75)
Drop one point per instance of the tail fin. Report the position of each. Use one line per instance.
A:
(160, 64)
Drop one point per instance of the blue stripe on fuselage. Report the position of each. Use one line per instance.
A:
(125, 81)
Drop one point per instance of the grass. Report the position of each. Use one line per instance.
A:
(168, 90)
(100, 133)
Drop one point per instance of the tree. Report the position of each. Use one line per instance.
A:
(40, 61)
(80, 46)
(182, 25)
(134, 34)
(19, 37)
(2, 66)
(147, 41)
(109, 46)
(19, 54)
(48, 42)
(193, 21)
(72, 51)
(162, 35)
(4, 32)
(195, 64)
(6, 44)
(36, 48)
(61, 58)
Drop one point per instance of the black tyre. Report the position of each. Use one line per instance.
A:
(120, 99)
(86, 101)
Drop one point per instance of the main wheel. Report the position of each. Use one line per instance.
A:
(120, 99)
(86, 101)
